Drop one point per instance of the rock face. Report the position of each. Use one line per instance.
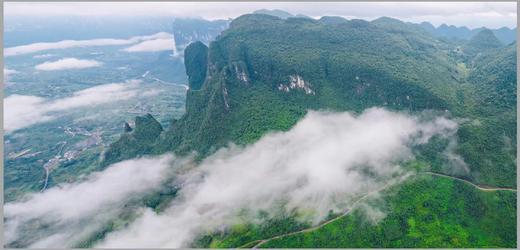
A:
(296, 82)
(196, 63)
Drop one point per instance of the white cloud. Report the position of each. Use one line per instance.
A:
(43, 56)
(8, 73)
(319, 165)
(153, 46)
(325, 162)
(73, 211)
(23, 111)
(66, 44)
(68, 63)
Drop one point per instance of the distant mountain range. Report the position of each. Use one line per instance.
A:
(188, 30)
(504, 34)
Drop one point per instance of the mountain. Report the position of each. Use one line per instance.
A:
(247, 77)
(188, 30)
(453, 31)
(196, 64)
(264, 73)
(277, 13)
(484, 40)
(504, 34)
(428, 27)
(481, 42)
(134, 141)
(333, 20)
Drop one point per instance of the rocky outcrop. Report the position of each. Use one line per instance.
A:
(134, 142)
(196, 63)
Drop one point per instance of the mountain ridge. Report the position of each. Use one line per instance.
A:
(505, 34)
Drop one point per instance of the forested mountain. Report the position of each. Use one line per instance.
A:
(350, 65)
(264, 73)
(484, 40)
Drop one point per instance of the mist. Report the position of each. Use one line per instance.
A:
(68, 63)
(72, 212)
(21, 111)
(325, 163)
(67, 44)
(8, 73)
(165, 43)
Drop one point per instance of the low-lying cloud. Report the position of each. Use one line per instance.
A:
(327, 161)
(43, 56)
(8, 73)
(70, 213)
(324, 163)
(68, 63)
(22, 111)
(66, 44)
(161, 44)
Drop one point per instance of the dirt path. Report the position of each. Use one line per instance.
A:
(261, 242)
(485, 189)
(310, 229)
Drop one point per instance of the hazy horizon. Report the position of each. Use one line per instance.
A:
(472, 15)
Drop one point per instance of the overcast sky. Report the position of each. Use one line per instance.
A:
(477, 14)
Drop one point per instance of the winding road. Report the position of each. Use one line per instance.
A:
(485, 189)
(310, 229)
(46, 179)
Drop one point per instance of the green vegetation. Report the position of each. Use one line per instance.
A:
(135, 142)
(79, 136)
(242, 235)
(423, 212)
(158, 201)
(351, 66)
(484, 40)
